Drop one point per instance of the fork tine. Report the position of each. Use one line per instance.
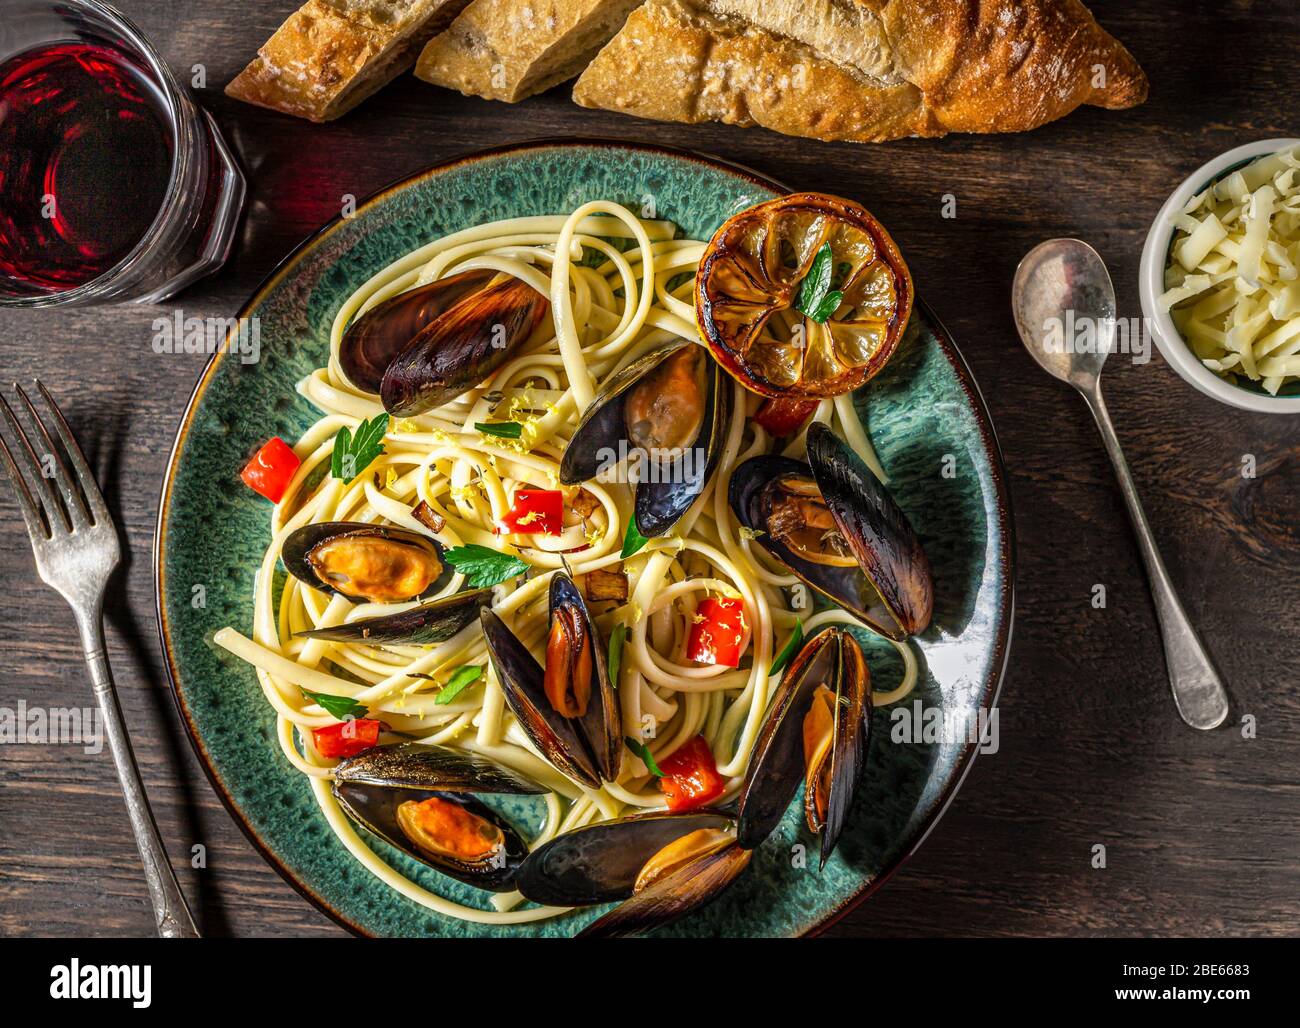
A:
(35, 527)
(86, 477)
(72, 501)
(55, 518)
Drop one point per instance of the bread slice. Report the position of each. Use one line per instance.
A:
(510, 49)
(332, 54)
(862, 70)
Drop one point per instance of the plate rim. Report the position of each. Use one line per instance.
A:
(1007, 557)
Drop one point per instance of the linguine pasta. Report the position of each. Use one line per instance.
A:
(619, 286)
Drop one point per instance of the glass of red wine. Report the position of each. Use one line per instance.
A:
(114, 185)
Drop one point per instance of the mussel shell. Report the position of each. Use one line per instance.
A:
(433, 622)
(890, 590)
(462, 347)
(599, 863)
(371, 786)
(522, 684)
(304, 540)
(875, 528)
(776, 768)
(601, 727)
(673, 896)
(659, 504)
(434, 768)
(372, 342)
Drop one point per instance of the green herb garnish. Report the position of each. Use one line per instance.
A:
(504, 429)
(616, 639)
(354, 452)
(643, 751)
(633, 540)
(816, 297)
(483, 566)
(788, 650)
(461, 679)
(341, 708)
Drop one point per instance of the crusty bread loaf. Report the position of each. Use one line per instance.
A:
(332, 54)
(862, 70)
(511, 49)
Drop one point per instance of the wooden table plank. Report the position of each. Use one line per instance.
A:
(1202, 832)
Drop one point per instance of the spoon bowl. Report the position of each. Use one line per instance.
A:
(1063, 302)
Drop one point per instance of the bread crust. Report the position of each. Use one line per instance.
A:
(329, 55)
(511, 49)
(862, 70)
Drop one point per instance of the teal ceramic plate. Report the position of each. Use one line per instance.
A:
(923, 413)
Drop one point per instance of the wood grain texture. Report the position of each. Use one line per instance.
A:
(1202, 831)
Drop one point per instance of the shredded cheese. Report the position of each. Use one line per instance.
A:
(1232, 282)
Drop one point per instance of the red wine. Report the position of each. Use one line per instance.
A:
(85, 158)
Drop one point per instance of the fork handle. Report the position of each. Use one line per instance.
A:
(170, 912)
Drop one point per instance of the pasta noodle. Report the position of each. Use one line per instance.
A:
(618, 286)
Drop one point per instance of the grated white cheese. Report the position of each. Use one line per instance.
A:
(1232, 282)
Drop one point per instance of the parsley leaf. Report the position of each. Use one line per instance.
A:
(633, 540)
(461, 679)
(616, 639)
(353, 453)
(647, 758)
(341, 708)
(504, 429)
(788, 650)
(483, 566)
(816, 298)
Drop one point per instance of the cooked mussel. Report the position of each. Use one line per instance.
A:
(420, 798)
(600, 863)
(677, 880)
(462, 347)
(671, 407)
(568, 708)
(361, 561)
(817, 731)
(373, 341)
(835, 526)
(432, 622)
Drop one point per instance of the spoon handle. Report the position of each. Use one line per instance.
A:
(1198, 689)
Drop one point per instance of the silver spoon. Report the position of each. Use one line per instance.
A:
(1064, 282)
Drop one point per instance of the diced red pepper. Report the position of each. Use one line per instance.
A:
(347, 738)
(691, 777)
(782, 416)
(535, 511)
(719, 633)
(271, 469)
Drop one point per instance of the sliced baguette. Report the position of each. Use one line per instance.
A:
(332, 54)
(510, 49)
(862, 70)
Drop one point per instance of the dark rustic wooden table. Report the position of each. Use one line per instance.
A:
(1202, 831)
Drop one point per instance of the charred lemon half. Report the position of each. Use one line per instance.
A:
(803, 296)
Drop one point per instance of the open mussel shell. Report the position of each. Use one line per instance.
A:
(885, 582)
(599, 863)
(373, 341)
(462, 347)
(674, 894)
(782, 757)
(669, 485)
(601, 727)
(523, 686)
(362, 561)
(432, 622)
(373, 787)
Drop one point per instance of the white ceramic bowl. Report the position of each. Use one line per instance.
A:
(1155, 255)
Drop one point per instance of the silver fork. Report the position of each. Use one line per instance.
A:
(76, 548)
